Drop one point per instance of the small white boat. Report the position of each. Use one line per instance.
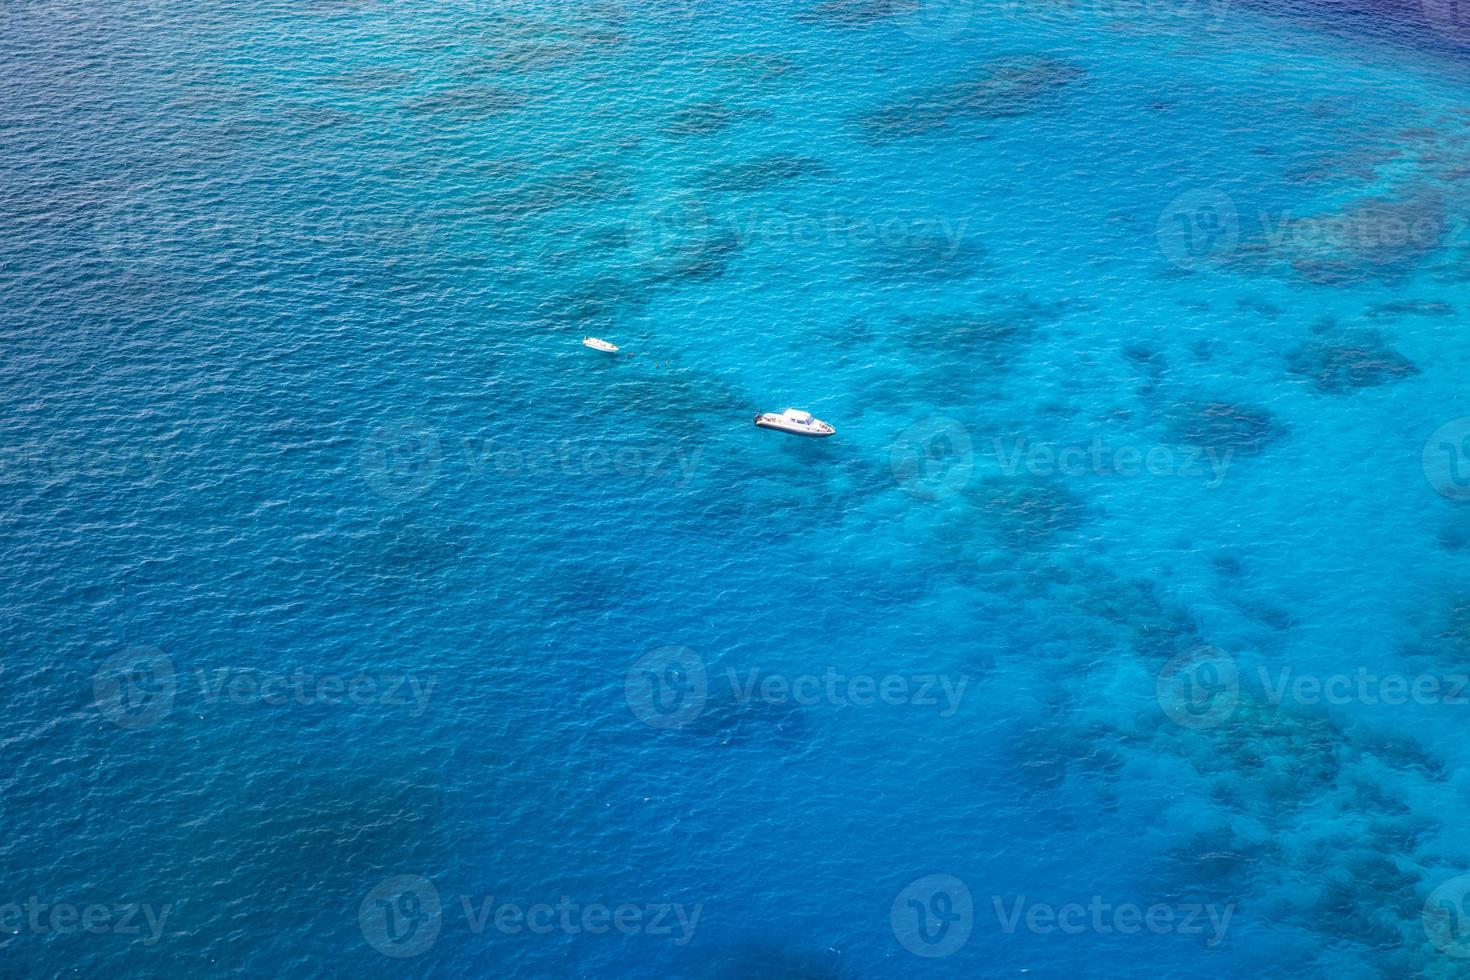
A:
(795, 421)
(601, 345)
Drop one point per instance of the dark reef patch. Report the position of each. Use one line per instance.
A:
(751, 67)
(1255, 304)
(729, 717)
(925, 257)
(1379, 238)
(1218, 861)
(855, 13)
(551, 193)
(1454, 534)
(1266, 613)
(994, 333)
(1444, 640)
(600, 299)
(1228, 567)
(1403, 752)
(1156, 629)
(1146, 359)
(1347, 360)
(991, 338)
(416, 546)
(1221, 425)
(998, 89)
(1410, 307)
(521, 58)
(700, 259)
(770, 960)
(1028, 511)
(401, 552)
(745, 176)
(481, 101)
(709, 116)
(370, 79)
(1382, 239)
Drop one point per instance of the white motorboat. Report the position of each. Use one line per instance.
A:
(795, 421)
(601, 345)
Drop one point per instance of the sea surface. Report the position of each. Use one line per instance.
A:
(357, 620)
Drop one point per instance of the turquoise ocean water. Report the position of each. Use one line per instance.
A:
(348, 598)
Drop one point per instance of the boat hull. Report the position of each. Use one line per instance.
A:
(818, 431)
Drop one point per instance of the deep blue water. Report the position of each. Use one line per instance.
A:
(341, 582)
